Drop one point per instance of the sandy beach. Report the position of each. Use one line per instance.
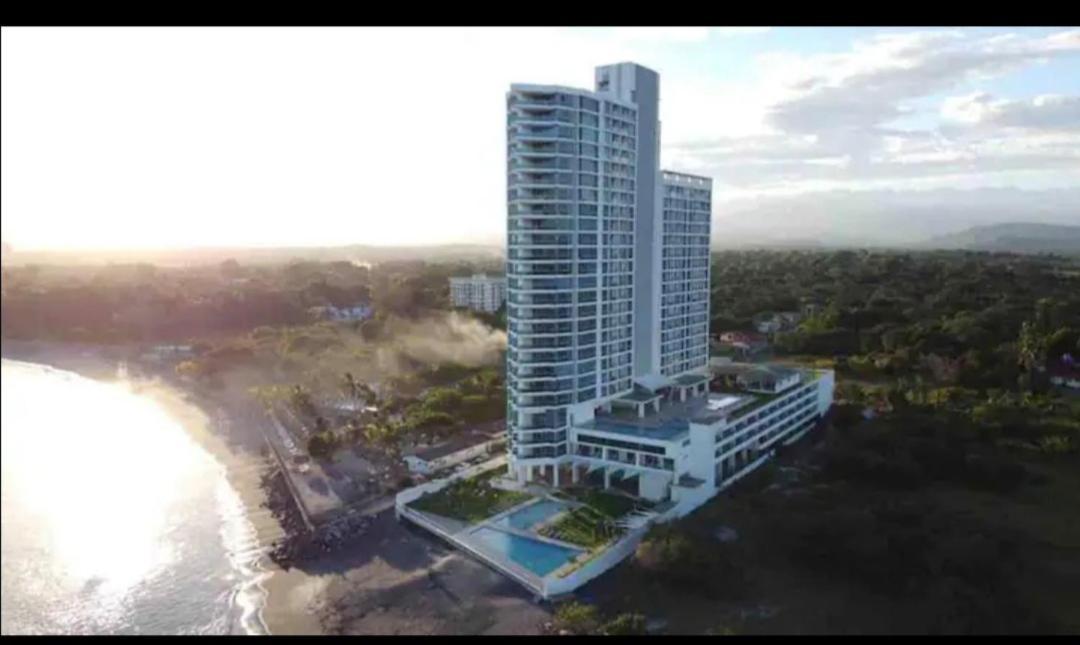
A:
(393, 580)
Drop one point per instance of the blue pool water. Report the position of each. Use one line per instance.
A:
(531, 515)
(539, 557)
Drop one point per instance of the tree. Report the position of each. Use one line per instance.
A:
(300, 399)
(577, 618)
(625, 625)
(349, 386)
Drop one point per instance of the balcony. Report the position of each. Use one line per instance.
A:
(541, 343)
(543, 358)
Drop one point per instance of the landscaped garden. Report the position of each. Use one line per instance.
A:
(593, 524)
(584, 526)
(469, 500)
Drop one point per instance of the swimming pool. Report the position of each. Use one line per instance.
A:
(523, 519)
(539, 557)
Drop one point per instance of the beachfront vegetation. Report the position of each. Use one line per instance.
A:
(689, 562)
(469, 500)
(579, 619)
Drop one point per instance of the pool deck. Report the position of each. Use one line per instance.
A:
(460, 534)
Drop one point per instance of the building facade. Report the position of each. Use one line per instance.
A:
(598, 303)
(608, 300)
(689, 443)
(684, 281)
(478, 292)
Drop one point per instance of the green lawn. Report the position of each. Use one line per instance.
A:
(469, 500)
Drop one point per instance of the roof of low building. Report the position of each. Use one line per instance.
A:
(454, 444)
(775, 371)
(691, 379)
(640, 395)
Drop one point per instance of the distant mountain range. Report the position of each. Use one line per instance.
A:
(1014, 237)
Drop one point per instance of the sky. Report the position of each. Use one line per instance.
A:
(176, 137)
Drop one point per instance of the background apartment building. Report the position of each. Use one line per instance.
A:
(479, 292)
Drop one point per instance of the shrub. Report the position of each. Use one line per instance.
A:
(577, 618)
(625, 625)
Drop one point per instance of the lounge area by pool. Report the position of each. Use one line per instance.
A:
(531, 515)
(541, 558)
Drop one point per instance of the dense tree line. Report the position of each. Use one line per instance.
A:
(977, 320)
(120, 303)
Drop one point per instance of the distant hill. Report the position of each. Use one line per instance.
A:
(1016, 237)
(193, 256)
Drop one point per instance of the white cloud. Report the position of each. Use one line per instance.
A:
(819, 109)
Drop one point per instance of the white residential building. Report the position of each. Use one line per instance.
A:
(479, 292)
(608, 303)
(683, 444)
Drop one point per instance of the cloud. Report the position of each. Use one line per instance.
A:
(1045, 112)
(836, 116)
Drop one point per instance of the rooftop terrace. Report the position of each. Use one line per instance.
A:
(673, 420)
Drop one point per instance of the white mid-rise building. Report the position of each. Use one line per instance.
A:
(479, 292)
(608, 303)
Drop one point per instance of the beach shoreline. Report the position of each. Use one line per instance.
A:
(243, 469)
(392, 580)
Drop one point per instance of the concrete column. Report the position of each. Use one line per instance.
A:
(575, 476)
(607, 478)
(656, 405)
(682, 394)
(529, 473)
(641, 410)
(555, 475)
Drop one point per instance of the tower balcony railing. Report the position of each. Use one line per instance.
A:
(543, 387)
(545, 372)
(542, 116)
(531, 343)
(532, 255)
(526, 101)
(527, 163)
(546, 452)
(540, 269)
(532, 313)
(535, 438)
(543, 358)
(525, 401)
(538, 329)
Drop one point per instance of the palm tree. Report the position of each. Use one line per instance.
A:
(349, 386)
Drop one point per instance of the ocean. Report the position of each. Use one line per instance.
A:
(114, 520)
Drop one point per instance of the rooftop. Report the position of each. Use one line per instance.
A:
(687, 380)
(674, 418)
(639, 395)
(449, 447)
(686, 178)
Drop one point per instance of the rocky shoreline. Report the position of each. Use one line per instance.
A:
(299, 544)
